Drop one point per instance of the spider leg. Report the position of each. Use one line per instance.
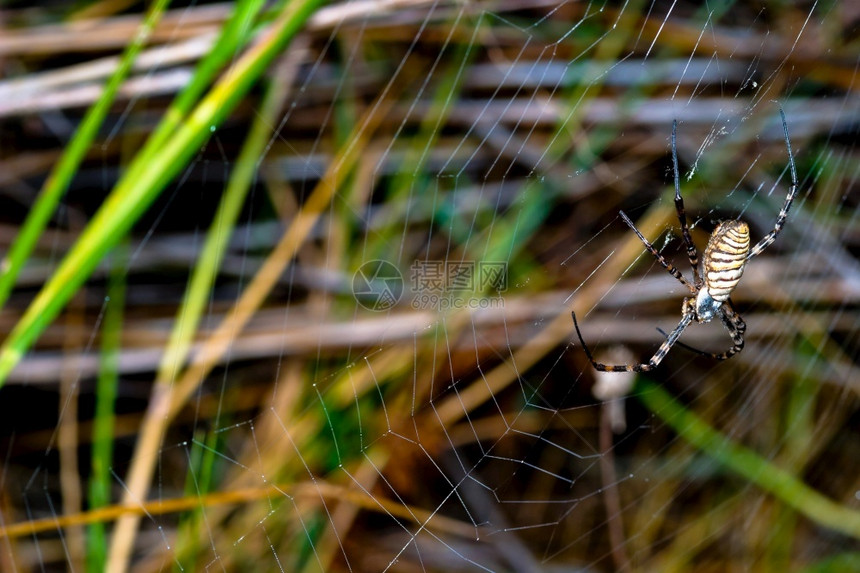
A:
(666, 264)
(683, 345)
(789, 198)
(733, 323)
(736, 327)
(692, 253)
(644, 367)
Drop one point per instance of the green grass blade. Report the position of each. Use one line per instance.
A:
(199, 481)
(241, 178)
(103, 424)
(841, 562)
(58, 181)
(233, 36)
(144, 180)
(748, 464)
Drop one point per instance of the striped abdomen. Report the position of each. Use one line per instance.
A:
(724, 258)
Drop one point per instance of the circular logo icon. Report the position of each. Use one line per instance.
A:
(377, 285)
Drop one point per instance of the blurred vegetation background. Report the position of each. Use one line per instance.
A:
(245, 325)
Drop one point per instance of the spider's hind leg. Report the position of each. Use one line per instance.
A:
(660, 259)
(692, 253)
(789, 198)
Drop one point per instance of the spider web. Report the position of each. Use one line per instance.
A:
(409, 397)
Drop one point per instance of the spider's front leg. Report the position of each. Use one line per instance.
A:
(689, 303)
(736, 327)
(733, 323)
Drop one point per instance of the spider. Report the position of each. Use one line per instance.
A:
(723, 263)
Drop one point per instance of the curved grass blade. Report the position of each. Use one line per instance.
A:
(145, 179)
(58, 180)
(748, 464)
(106, 395)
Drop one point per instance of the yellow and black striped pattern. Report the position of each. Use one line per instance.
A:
(725, 257)
(722, 266)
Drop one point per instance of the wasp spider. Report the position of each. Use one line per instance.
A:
(723, 263)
